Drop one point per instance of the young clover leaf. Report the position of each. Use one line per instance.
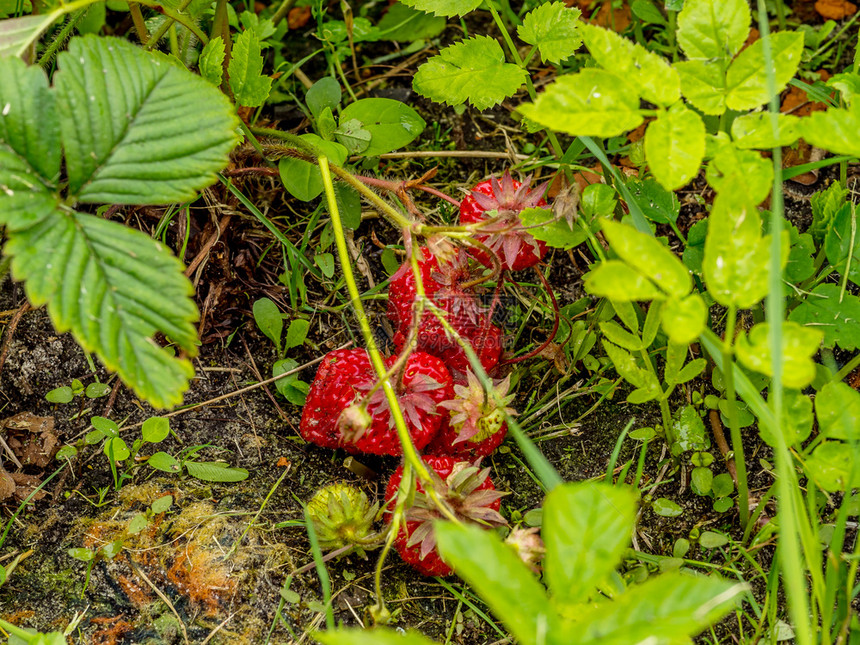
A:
(554, 29)
(112, 286)
(472, 70)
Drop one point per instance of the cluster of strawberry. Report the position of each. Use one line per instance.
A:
(448, 413)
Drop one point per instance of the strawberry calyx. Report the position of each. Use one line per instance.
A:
(528, 546)
(343, 516)
(462, 491)
(413, 399)
(474, 414)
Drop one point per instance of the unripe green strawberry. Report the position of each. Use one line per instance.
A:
(342, 515)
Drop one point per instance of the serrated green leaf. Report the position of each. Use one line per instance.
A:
(251, 21)
(799, 345)
(211, 64)
(215, 471)
(446, 8)
(592, 103)
(554, 28)
(586, 529)
(675, 146)
(29, 145)
(825, 204)
(801, 256)
(17, 34)
(842, 243)
(709, 29)
(746, 79)
(247, 82)
(495, 571)
(834, 313)
(703, 84)
(618, 281)
(756, 131)
(114, 288)
(472, 70)
(836, 130)
(654, 79)
(390, 124)
(649, 256)
(120, 148)
(375, 636)
(837, 408)
(736, 256)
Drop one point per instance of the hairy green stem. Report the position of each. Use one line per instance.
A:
(174, 15)
(60, 39)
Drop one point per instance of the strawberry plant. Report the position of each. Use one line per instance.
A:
(112, 286)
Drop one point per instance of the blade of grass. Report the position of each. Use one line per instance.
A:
(322, 572)
(789, 551)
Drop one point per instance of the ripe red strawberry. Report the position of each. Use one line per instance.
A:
(477, 425)
(515, 246)
(469, 492)
(333, 418)
(446, 284)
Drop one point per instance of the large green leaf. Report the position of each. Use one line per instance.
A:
(592, 103)
(136, 128)
(617, 281)
(834, 313)
(713, 28)
(654, 79)
(704, 85)
(740, 172)
(391, 124)
(554, 29)
(444, 7)
(502, 580)
(837, 408)
(664, 609)
(835, 130)
(113, 287)
(736, 255)
(471, 70)
(675, 146)
(16, 34)
(756, 130)
(586, 528)
(842, 243)
(747, 75)
(29, 145)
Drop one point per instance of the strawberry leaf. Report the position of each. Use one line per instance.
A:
(250, 88)
(472, 70)
(553, 29)
(446, 8)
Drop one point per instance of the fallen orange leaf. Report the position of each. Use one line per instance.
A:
(835, 9)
